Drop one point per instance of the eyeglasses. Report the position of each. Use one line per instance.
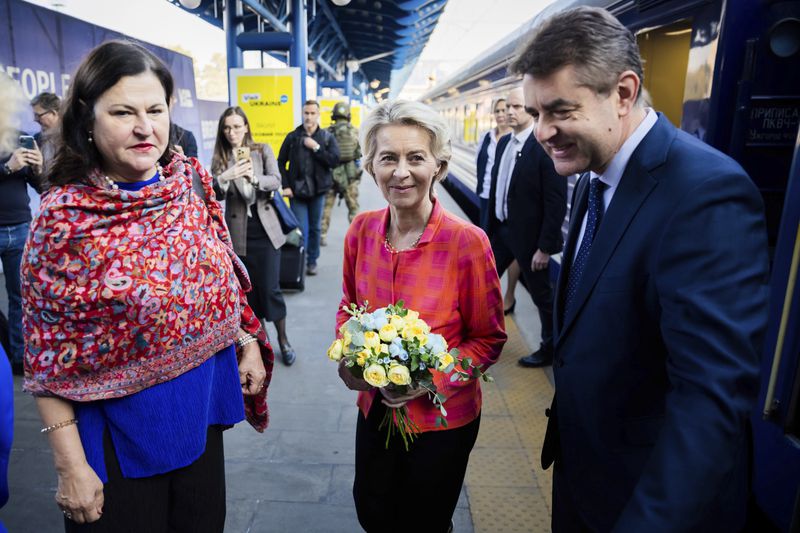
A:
(237, 127)
(37, 117)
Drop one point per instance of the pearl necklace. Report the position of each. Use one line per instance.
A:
(392, 250)
(114, 186)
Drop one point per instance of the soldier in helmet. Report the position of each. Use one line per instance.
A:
(346, 176)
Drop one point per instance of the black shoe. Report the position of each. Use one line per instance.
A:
(288, 355)
(17, 368)
(541, 357)
(311, 270)
(510, 310)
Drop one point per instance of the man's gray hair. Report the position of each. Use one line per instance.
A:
(590, 39)
(406, 113)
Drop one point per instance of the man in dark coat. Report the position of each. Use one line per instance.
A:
(661, 304)
(311, 153)
(527, 204)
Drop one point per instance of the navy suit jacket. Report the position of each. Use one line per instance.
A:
(656, 363)
(536, 201)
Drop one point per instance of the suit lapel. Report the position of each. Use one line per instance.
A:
(522, 163)
(634, 187)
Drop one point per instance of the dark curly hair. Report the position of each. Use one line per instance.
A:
(76, 157)
(588, 38)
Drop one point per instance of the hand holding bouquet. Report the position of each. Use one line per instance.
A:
(393, 348)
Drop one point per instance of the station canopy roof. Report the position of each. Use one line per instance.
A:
(384, 37)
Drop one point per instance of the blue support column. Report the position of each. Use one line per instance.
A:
(232, 22)
(348, 90)
(299, 50)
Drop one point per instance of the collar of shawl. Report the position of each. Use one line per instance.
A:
(126, 289)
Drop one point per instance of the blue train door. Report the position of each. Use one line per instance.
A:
(776, 425)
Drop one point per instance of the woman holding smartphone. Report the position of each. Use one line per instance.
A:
(245, 176)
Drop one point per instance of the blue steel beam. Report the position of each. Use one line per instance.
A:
(298, 55)
(263, 12)
(233, 26)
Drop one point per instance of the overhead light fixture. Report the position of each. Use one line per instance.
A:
(340, 3)
(374, 84)
(352, 65)
(191, 4)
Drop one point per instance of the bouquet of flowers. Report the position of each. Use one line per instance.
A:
(392, 347)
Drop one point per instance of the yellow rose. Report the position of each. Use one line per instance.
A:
(399, 375)
(335, 351)
(362, 357)
(416, 330)
(397, 322)
(375, 375)
(412, 316)
(384, 349)
(387, 333)
(371, 339)
(421, 324)
(346, 341)
(445, 360)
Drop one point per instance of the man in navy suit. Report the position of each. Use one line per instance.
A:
(661, 304)
(527, 204)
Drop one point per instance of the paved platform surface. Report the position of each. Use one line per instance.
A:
(297, 477)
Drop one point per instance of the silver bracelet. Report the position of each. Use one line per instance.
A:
(244, 340)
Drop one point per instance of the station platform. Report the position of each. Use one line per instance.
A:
(297, 476)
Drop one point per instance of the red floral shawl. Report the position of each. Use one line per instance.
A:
(123, 290)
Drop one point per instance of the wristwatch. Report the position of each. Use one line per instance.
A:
(317, 148)
(7, 169)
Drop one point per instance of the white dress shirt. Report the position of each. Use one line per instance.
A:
(490, 151)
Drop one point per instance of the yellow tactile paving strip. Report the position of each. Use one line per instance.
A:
(507, 489)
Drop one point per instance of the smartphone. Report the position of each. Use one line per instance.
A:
(27, 142)
(243, 152)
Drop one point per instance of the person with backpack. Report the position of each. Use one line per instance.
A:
(311, 152)
(346, 176)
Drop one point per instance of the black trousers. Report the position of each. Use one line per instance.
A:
(190, 499)
(263, 263)
(387, 481)
(538, 283)
(566, 516)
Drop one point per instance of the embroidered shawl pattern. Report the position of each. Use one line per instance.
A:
(126, 289)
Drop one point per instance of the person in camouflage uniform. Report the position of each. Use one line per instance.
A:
(346, 176)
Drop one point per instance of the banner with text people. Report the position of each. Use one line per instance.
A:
(40, 49)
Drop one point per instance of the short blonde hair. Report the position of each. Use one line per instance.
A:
(11, 101)
(406, 113)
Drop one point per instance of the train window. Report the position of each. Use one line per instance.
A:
(665, 51)
(470, 124)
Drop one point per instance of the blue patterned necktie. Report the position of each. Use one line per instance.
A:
(594, 212)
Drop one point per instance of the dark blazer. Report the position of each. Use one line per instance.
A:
(482, 160)
(183, 138)
(537, 201)
(656, 362)
(318, 179)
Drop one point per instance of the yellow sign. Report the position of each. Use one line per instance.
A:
(270, 99)
(326, 108)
